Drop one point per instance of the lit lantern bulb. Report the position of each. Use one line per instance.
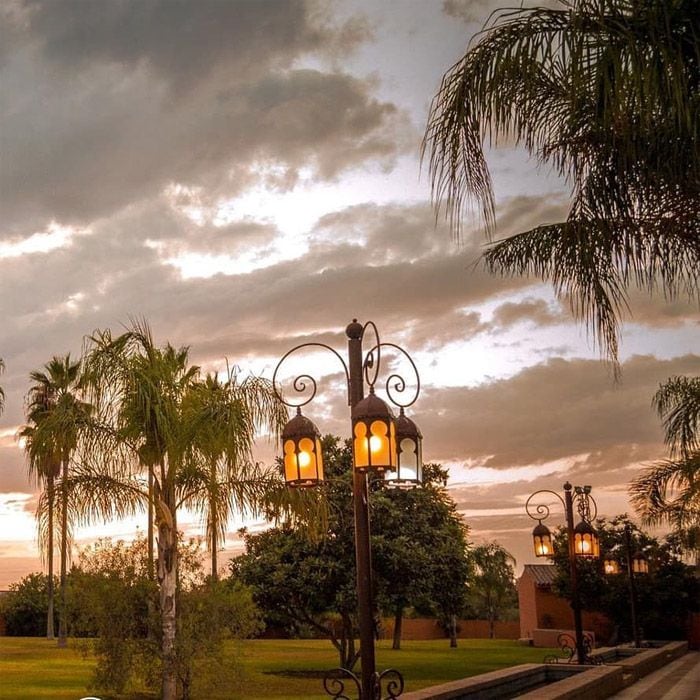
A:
(586, 546)
(375, 443)
(304, 459)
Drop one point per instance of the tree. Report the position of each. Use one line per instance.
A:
(141, 390)
(44, 467)
(664, 596)
(226, 415)
(59, 416)
(25, 607)
(492, 592)
(606, 93)
(419, 550)
(669, 491)
(418, 555)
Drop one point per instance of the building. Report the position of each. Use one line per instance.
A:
(544, 615)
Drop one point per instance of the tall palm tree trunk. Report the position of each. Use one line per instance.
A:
(149, 527)
(167, 580)
(49, 584)
(62, 627)
(214, 526)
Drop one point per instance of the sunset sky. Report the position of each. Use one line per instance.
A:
(245, 175)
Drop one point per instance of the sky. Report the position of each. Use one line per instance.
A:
(246, 176)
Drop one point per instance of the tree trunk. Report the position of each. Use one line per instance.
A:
(149, 534)
(214, 526)
(492, 624)
(49, 583)
(62, 627)
(453, 631)
(167, 580)
(398, 621)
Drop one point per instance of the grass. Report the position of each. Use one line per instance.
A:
(35, 668)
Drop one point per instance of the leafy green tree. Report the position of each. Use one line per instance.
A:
(59, 416)
(25, 607)
(419, 550)
(669, 491)
(492, 593)
(664, 596)
(418, 556)
(605, 93)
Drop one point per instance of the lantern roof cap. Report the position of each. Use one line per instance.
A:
(584, 528)
(300, 426)
(541, 529)
(405, 427)
(371, 407)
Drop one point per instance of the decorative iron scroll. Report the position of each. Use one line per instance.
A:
(299, 385)
(336, 680)
(541, 511)
(394, 684)
(334, 683)
(395, 384)
(583, 501)
(567, 646)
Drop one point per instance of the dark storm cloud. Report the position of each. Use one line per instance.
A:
(555, 410)
(105, 104)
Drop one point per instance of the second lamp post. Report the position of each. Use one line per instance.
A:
(582, 543)
(381, 444)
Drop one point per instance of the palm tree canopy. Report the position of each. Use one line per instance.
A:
(678, 404)
(669, 491)
(606, 93)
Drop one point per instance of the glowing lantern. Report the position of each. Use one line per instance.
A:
(640, 564)
(409, 441)
(374, 436)
(542, 539)
(586, 542)
(611, 567)
(301, 445)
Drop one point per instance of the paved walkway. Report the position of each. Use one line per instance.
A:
(680, 680)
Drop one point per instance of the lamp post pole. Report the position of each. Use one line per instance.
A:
(575, 598)
(382, 444)
(630, 582)
(363, 553)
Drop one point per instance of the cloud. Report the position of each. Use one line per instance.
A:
(109, 106)
(561, 409)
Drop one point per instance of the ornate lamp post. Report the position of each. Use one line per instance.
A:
(637, 563)
(582, 540)
(381, 444)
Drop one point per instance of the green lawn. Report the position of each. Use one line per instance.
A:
(36, 668)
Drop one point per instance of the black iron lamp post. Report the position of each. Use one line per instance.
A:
(583, 543)
(636, 563)
(381, 444)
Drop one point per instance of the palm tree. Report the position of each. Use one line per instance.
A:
(44, 467)
(224, 417)
(58, 417)
(669, 491)
(605, 93)
(152, 414)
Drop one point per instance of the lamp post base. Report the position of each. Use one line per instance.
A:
(334, 684)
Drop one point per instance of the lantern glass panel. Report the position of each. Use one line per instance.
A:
(610, 566)
(543, 545)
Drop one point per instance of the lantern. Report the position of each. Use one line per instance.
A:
(374, 435)
(586, 542)
(301, 446)
(611, 567)
(409, 454)
(542, 539)
(640, 564)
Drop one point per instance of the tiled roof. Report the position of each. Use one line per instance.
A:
(543, 574)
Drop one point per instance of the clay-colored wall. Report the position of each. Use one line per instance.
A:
(426, 628)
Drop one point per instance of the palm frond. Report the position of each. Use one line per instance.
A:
(677, 402)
